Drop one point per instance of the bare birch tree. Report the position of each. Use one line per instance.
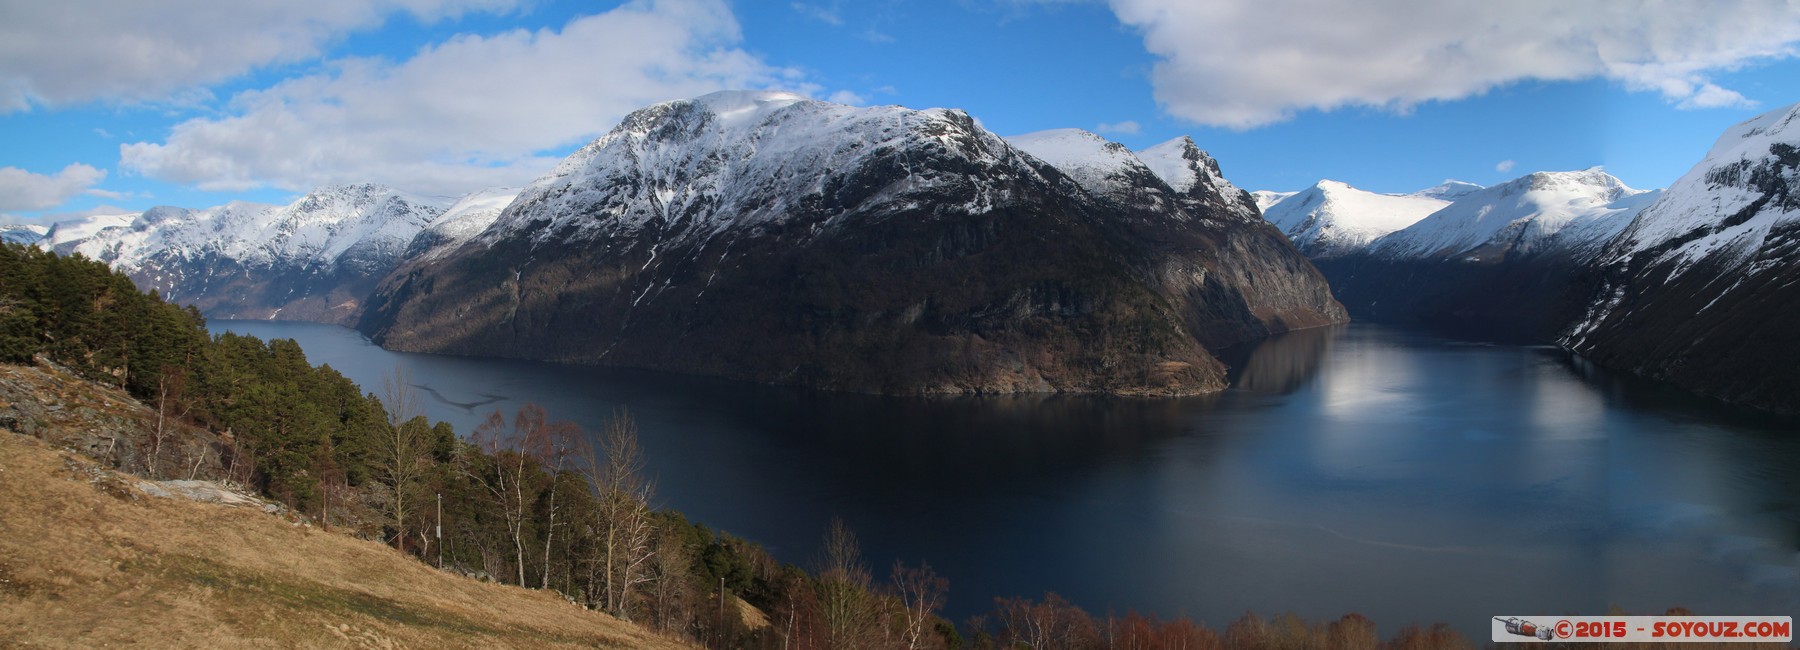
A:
(846, 606)
(921, 594)
(505, 483)
(171, 386)
(400, 449)
(616, 468)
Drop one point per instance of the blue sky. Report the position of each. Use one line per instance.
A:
(125, 105)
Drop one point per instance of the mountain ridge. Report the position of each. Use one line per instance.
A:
(770, 237)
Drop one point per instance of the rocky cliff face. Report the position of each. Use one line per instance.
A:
(1700, 288)
(769, 237)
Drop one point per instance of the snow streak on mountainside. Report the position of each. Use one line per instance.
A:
(1331, 219)
(767, 236)
(1700, 288)
(312, 260)
(1571, 212)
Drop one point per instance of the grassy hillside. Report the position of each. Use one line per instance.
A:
(88, 559)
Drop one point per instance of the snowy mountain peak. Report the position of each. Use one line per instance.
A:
(1191, 171)
(64, 235)
(1574, 211)
(734, 159)
(1266, 199)
(1093, 161)
(1180, 163)
(1449, 190)
(1752, 136)
(26, 234)
(747, 105)
(464, 220)
(1728, 204)
(1593, 181)
(1331, 218)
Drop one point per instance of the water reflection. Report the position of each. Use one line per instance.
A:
(1282, 363)
(1356, 468)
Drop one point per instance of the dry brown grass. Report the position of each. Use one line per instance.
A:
(88, 561)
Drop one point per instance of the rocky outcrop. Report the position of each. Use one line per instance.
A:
(48, 402)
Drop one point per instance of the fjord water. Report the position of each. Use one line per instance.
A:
(1363, 469)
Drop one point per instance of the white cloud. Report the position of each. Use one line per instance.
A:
(74, 51)
(470, 112)
(51, 218)
(108, 194)
(847, 97)
(1127, 127)
(828, 14)
(1246, 63)
(1504, 166)
(23, 190)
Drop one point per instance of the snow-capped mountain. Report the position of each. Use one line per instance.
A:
(767, 236)
(63, 235)
(1172, 180)
(1331, 219)
(1099, 165)
(1195, 176)
(459, 224)
(1510, 262)
(1570, 212)
(314, 259)
(1699, 289)
(1449, 190)
(1173, 197)
(26, 234)
(1266, 199)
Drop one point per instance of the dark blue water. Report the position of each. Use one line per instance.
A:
(1352, 469)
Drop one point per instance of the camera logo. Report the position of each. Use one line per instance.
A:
(1523, 627)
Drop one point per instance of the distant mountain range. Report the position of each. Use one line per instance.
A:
(1692, 285)
(771, 237)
